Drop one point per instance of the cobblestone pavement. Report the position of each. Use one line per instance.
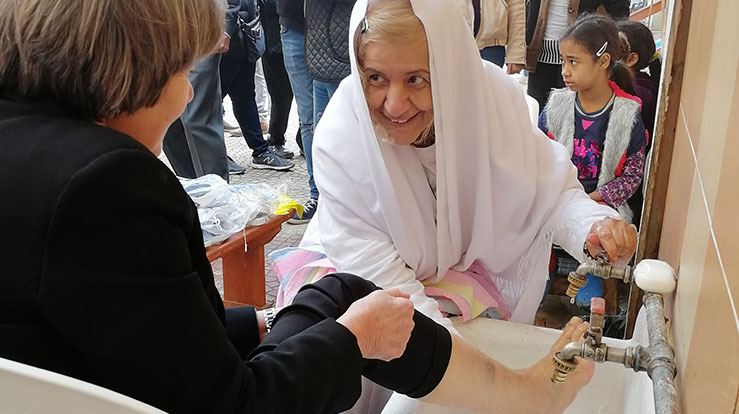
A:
(296, 180)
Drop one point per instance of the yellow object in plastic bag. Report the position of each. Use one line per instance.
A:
(286, 204)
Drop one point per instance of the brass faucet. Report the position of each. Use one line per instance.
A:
(591, 348)
(600, 267)
(657, 359)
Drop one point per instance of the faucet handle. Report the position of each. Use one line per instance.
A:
(654, 276)
(597, 314)
(597, 305)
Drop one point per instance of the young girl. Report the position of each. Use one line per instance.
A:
(642, 54)
(596, 116)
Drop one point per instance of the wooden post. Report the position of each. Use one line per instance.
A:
(664, 139)
(243, 269)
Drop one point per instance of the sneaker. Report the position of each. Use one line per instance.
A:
(281, 151)
(309, 209)
(271, 161)
(232, 129)
(233, 168)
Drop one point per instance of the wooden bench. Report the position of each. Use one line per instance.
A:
(243, 269)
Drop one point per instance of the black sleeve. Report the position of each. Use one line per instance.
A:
(120, 288)
(234, 6)
(237, 319)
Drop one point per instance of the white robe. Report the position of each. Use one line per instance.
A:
(504, 191)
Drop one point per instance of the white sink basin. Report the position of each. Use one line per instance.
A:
(519, 346)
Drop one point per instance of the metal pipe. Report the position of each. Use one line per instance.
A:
(571, 350)
(617, 355)
(604, 270)
(584, 268)
(661, 365)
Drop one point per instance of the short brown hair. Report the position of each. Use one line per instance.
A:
(102, 58)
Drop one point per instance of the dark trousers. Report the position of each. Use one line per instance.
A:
(194, 142)
(541, 82)
(281, 94)
(237, 81)
(494, 54)
(416, 373)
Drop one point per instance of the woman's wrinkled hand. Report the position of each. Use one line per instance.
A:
(616, 237)
(382, 322)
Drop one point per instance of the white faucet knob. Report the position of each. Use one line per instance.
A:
(654, 276)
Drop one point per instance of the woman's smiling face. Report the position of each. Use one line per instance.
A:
(397, 85)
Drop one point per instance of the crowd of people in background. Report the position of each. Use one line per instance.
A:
(299, 49)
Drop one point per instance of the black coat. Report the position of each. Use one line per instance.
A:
(105, 279)
(327, 39)
(248, 10)
(271, 23)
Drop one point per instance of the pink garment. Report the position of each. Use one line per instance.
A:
(472, 291)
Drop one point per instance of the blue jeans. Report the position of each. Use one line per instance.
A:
(302, 85)
(494, 54)
(322, 93)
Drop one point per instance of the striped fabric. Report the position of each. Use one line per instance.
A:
(467, 294)
(550, 52)
(296, 267)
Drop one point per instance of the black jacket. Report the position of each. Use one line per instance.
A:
(248, 10)
(271, 23)
(291, 14)
(105, 279)
(327, 39)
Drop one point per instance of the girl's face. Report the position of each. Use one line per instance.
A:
(580, 69)
(397, 85)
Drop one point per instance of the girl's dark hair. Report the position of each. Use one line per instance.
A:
(592, 31)
(641, 42)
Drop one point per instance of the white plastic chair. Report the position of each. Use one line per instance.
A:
(29, 390)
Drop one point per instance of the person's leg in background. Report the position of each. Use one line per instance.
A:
(541, 82)
(302, 86)
(494, 54)
(202, 121)
(278, 85)
(322, 93)
(237, 81)
(264, 101)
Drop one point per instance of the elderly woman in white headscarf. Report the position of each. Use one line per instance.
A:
(433, 179)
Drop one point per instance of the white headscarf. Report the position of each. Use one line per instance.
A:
(498, 178)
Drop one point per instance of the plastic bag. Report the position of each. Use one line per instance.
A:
(227, 209)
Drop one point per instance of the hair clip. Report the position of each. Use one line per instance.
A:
(363, 27)
(654, 57)
(602, 49)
